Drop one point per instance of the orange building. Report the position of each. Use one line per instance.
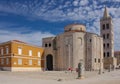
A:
(19, 56)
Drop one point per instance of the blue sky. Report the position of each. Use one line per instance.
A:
(31, 20)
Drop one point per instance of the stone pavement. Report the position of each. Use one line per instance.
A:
(52, 77)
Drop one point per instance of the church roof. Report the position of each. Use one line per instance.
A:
(75, 27)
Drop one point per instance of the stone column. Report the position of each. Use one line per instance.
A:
(100, 71)
(80, 70)
(109, 68)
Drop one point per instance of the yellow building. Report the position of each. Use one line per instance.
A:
(19, 56)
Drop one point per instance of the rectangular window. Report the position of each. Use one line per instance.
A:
(107, 26)
(7, 50)
(98, 60)
(38, 54)
(2, 61)
(108, 54)
(30, 52)
(107, 45)
(90, 40)
(103, 26)
(7, 61)
(19, 51)
(2, 51)
(30, 62)
(39, 62)
(95, 60)
(104, 46)
(103, 36)
(107, 36)
(19, 61)
(104, 54)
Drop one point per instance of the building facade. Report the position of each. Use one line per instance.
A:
(19, 56)
(117, 55)
(66, 50)
(107, 32)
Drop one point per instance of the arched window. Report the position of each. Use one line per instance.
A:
(80, 40)
(49, 44)
(45, 45)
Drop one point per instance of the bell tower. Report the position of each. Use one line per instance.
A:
(107, 32)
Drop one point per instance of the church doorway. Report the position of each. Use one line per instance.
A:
(49, 62)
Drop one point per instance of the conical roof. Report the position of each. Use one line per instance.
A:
(106, 14)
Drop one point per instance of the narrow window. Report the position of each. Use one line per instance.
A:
(38, 62)
(49, 44)
(30, 52)
(90, 40)
(98, 60)
(2, 51)
(7, 50)
(45, 45)
(104, 54)
(104, 45)
(80, 40)
(107, 36)
(30, 62)
(2, 61)
(7, 61)
(39, 54)
(103, 26)
(107, 26)
(108, 54)
(95, 60)
(19, 51)
(108, 45)
(103, 36)
(19, 61)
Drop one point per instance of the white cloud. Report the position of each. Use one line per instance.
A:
(74, 10)
(34, 38)
(48, 10)
(75, 3)
(84, 2)
(116, 25)
(116, 0)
